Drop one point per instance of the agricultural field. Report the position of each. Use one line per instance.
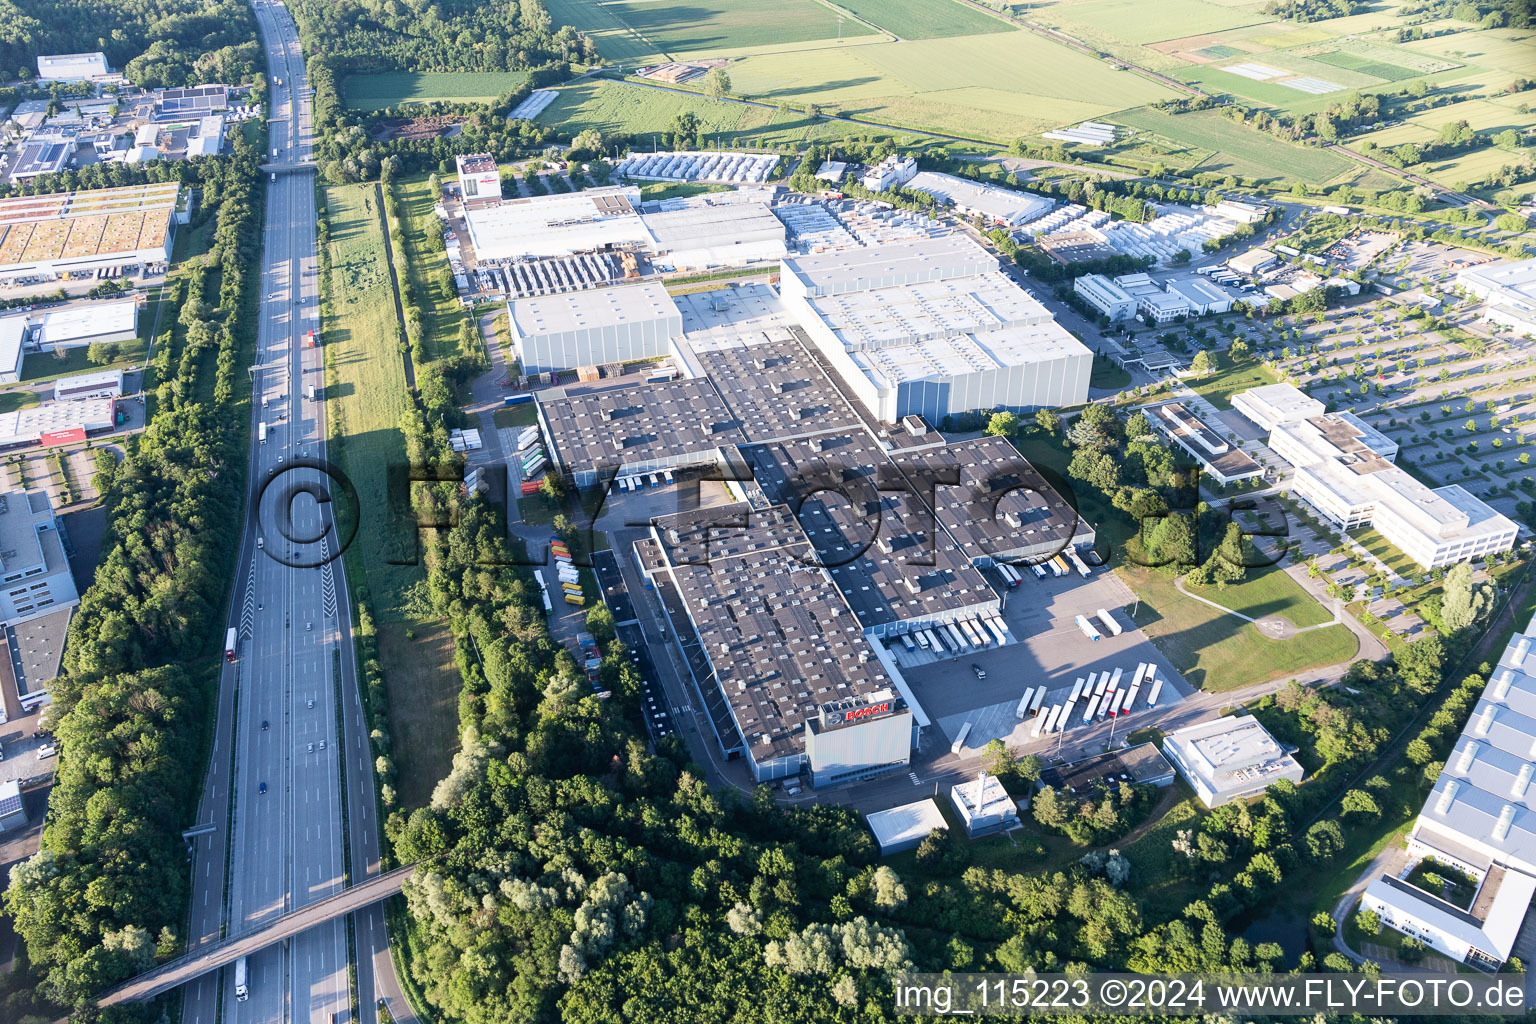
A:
(1506, 49)
(624, 107)
(1487, 116)
(391, 89)
(1138, 22)
(1238, 150)
(616, 40)
(926, 19)
(723, 27)
(993, 87)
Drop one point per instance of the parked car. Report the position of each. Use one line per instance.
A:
(979, 672)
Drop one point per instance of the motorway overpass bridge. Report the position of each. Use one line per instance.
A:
(180, 971)
(288, 168)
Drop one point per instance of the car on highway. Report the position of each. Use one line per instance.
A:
(261, 788)
(978, 671)
(264, 725)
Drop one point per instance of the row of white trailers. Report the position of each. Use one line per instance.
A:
(959, 636)
(1058, 565)
(1099, 696)
(639, 480)
(531, 454)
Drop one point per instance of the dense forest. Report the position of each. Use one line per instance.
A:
(154, 42)
(446, 35)
(106, 895)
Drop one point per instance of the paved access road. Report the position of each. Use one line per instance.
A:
(289, 718)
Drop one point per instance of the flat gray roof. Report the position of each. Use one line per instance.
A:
(780, 636)
(637, 423)
(591, 309)
(888, 554)
(771, 386)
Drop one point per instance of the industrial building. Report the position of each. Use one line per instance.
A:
(1224, 461)
(56, 423)
(592, 220)
(1508, 291)
(788, 677)
(1153, 305)
(1106, 296)
(1229, 759)
(890, 172)
(933, 327)
(1274, 404)
(1479, 819)
(34, 572)
(642, 428)
(905, 827)
(13, 335)
(983, 805)
(720, 230)
(12, 813)
(1203, 297)
(105, 384)
(1141, 764)
(1253, 262)
(41, 156)
(85, 323)
(1345, 469)
(999, 508)
(994, 204)
(71, 67)
(78, 234)
(589, 328)
(479, 177)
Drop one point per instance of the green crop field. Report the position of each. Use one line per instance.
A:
(1507, 49)
(615, 39)
(1138, 21)
(926, 19)
(1219, 52)
(391, 89)
(615, 107)
(1374, 68)
(998, 86)
(1238, 150)
(717, 26)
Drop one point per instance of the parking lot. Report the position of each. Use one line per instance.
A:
(1048, 649)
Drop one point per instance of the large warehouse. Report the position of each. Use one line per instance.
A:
(590, 328)
(1480, 821)
(933, 327)
(1508, 288)
(76, 234)
(792, 683)
(556, 225)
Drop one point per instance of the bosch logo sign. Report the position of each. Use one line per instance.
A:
(866, 712)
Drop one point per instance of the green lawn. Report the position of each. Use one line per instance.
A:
(926, 19)
(1220, 386)
(616, 40)
(509, 416)
(1238, 150)
(12, 399)
(1136, 21)
(680, 189)
(1384, 549)
(1108, 374)
(393, 88)
(40, 366)
(430, 272)
(1269, 591)
(1220, 652)
(365, 393)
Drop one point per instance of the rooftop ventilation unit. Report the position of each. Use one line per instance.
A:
(1506, 819)
(1446, 796)
(1521, 650)
(1522, 781)
(1485, 720)
(1468, 755)
(1501, 683)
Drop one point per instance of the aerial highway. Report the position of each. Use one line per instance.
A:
(289, 790)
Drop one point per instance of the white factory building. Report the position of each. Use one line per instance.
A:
(556, 225)
(479, 178)
(34, 572)
(1479, 819)
(71, 67)
(723, 229)
(590, 328)
(995, 205)
(1509, 291)
(932, 326)
(1105, 296)
(890, 172)
(1229, 759)
(82, 324)
(13, 335)
(1344, 469)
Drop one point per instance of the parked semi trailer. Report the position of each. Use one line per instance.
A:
(1087, 628)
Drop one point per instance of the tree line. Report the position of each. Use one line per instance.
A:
(106, 894)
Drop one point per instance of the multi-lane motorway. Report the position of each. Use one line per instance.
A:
(289, 789)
